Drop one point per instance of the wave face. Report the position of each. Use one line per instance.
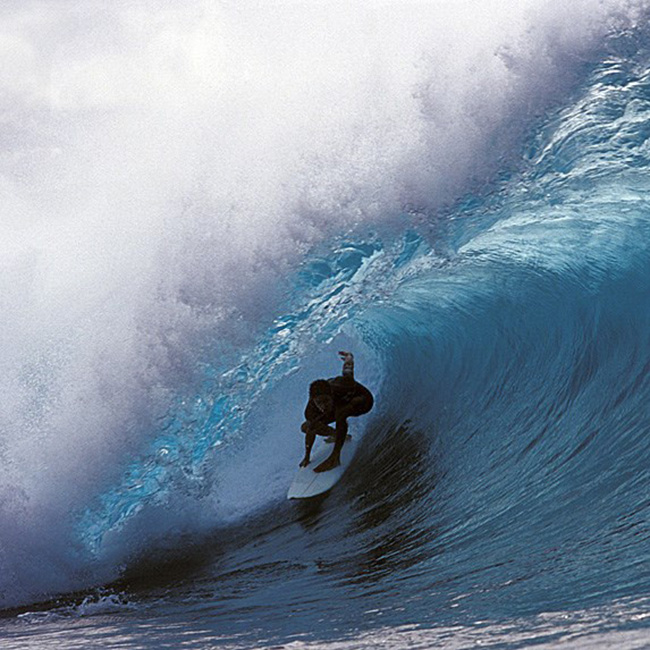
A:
(200, 210)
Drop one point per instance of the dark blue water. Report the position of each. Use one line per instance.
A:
(499, 496)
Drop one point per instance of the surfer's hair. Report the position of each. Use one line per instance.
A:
(319, 387)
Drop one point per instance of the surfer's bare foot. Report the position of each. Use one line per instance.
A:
(329, 463)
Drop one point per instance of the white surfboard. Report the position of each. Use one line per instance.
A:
(308, 483)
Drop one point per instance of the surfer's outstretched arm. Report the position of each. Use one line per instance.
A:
(348, 363)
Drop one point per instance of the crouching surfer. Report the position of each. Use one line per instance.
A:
(334, 400)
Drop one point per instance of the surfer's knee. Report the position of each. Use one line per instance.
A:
(361, 405)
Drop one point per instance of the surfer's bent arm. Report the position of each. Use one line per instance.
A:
(348, 364)
(310, 436)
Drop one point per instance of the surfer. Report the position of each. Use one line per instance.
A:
(334, 400)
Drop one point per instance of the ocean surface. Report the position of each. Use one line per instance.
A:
(202, 202)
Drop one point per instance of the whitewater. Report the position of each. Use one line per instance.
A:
(202, 202)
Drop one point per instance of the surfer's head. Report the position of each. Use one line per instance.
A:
(320, 392)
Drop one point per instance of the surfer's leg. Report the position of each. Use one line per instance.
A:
(358, 406)
(311, 429)
(317, 428)
(334, 459)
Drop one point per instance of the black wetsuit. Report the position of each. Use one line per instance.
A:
(350, 399)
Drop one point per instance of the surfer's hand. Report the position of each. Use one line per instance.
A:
(304, 462)
(348, 363)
